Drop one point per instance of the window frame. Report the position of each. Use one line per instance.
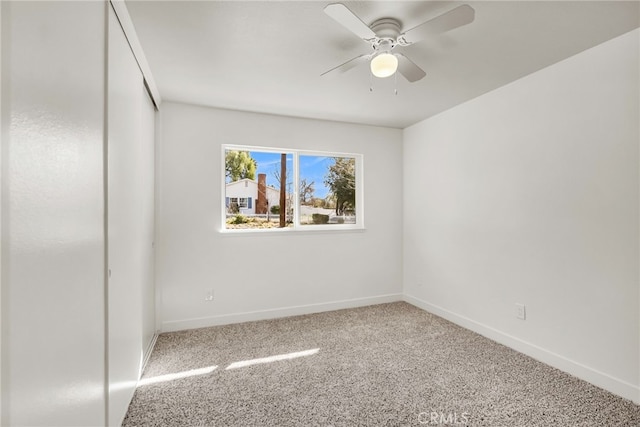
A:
(296, 227)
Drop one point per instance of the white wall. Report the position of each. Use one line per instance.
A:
(268, 274)
(530, 194)
(53, 212)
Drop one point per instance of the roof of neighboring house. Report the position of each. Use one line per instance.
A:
(252, 181)
(242, 180)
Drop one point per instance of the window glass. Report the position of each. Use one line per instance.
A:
(327, 190)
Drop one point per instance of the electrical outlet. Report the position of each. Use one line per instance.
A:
(520, 311)
(209, 296)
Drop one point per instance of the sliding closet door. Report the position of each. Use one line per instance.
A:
(53, 213)
(147, 212)
(128, 219)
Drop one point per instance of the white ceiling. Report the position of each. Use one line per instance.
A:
(267, 56)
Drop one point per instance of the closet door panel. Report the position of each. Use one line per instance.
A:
(124, 223)
(147, 211)
(53, 316)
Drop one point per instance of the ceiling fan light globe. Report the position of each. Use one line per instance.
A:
(384, 65)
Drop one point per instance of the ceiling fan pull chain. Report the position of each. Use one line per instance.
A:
(370, 81)
(395, 78)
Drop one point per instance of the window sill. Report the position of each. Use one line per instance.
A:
(298, 230)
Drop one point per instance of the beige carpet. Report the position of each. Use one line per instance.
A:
(384, 365)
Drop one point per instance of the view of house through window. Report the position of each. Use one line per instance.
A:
(272, 189)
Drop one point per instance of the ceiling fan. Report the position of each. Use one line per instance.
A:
(386, 33)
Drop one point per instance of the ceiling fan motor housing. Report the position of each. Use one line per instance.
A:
(386, 28)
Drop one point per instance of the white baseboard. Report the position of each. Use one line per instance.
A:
(225, 319)
(593, 376)
(148, 351)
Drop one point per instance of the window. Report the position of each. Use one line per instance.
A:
(268, 188)
(327, 189)
(239, 202)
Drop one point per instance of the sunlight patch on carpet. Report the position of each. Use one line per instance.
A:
(176, 376)
(270, 359)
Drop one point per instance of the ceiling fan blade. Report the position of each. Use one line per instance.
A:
(349, 64)
(461, 15)
(349, 20)
(409, 69)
